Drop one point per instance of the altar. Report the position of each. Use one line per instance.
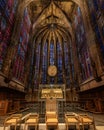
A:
(52, 95)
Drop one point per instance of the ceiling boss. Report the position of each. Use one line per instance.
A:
(52, 70)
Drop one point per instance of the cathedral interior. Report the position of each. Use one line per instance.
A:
(51, 59)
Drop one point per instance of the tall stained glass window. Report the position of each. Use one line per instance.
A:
(52, 59)
(7, 20)
(53, 53)
(67, 64)
(36, 75)
(82, 48)
(96, 8)
(20, 58)
(44, 65)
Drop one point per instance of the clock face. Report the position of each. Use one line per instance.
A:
(52, 70)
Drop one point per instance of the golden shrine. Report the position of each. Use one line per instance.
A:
(52, 91)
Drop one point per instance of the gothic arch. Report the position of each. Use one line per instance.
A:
(25, 3)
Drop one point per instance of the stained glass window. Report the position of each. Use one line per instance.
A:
(19, 65)
(51, 53)
(36, 77)
(82, 49)
(96, 8)
(7, 20)
(44, 65)
(67, 64)
(59, 64)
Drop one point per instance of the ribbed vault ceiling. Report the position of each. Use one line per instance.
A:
(52, 19)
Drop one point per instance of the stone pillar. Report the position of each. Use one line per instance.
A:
(77, 75)
(8, 62)
(28, 61)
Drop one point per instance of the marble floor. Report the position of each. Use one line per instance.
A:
(42, 126)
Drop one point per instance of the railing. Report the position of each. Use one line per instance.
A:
(62, 107)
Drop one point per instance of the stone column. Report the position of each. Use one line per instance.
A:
(8, 62)
(28, 61)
